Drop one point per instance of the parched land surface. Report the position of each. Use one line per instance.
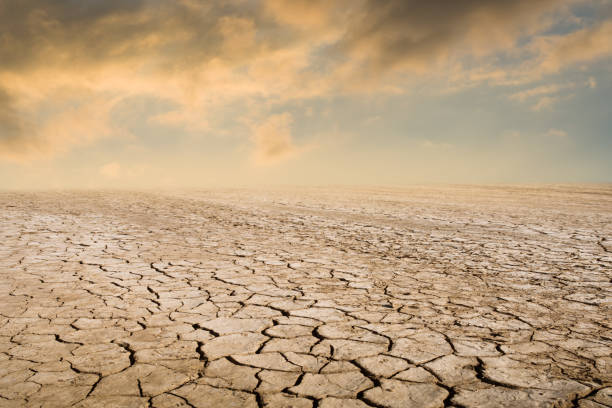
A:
(424, 297)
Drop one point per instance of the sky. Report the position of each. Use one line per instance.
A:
(234, 93)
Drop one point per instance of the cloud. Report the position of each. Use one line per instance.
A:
(515, 136)
(532, 53)
(22, 141)
(584, 45)
(371, 120)
(538, 91)
(556, 133)
(273, 141)
(203, 56)
(14, 129)
(592, 83)
(430, 144)
(547, 95)
(304, 14)
(110, 51)
(411, 34)
(187, 118)
(110, 170)
(545, 103)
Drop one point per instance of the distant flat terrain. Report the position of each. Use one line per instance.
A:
(450, 296)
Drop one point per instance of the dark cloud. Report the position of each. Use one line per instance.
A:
(395, 32)
(12, 126)
(39, 31)
(34, 32)
(173, 34)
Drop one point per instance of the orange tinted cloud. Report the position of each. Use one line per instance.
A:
(22, 140)
(585, 45)
(272, 140)
(301, 13)
(110, 170)
(202, 55)
(411, 34)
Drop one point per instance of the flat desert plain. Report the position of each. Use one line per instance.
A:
(366, 297)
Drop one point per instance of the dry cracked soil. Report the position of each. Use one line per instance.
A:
(420, 297)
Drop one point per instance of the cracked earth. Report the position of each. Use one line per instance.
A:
(425, 297)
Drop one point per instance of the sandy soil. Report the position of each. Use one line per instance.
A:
(424, 297)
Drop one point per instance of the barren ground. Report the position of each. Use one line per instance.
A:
(424, 297)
